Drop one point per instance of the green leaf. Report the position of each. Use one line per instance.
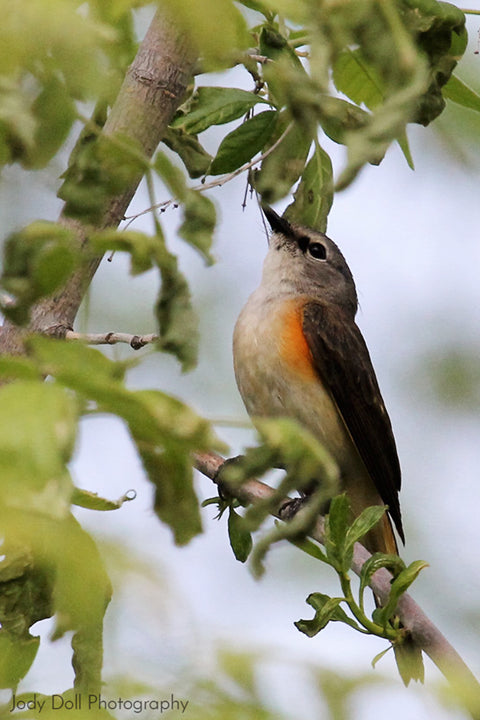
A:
(286, 68)
(284, 443)
(171, 175)
(100, 167)
(314, 196)
(440, 33)
(240, 667)
(240, 146)
(215, 106)
(239, 536)
(409, 659)
(178, 322)
(458, 92)
(61, 41)
(216, 29)
(155, 416)
(16, 657)
(18, 368)
(338, 117)
(54, 112)
(310, 548)
(36, 261)
(400, 585)
(164, 430)
(82, 588)
(361, 82)
(380, 655)
(370, 141)
(195, 158)
(84, 369)
(163, 422)
(17, 123)
(326, 609)
(217, 500)
(92, 501)
(336, 526)
(176, 503)
(405, 148)
(199, 219)
(289, 84)
(379, 560)
(354, 76)
(282, 168)
(64, 575)
(364, 522)
(292, 447)
(257, 5)
(143, 248)
(38, 423)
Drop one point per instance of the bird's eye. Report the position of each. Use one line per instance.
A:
(318, 251)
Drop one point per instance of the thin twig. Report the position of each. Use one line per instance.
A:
(424, 633)
(112, 338)
(261, 59)
(214, 183)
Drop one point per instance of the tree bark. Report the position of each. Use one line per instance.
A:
(152, 90)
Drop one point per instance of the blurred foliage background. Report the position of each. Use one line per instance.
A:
(192, 621)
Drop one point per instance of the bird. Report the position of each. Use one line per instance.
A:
(298, 353)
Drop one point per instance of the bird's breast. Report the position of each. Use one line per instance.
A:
(275, 372)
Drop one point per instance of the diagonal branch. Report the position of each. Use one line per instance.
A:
(153, 88)
(424, 633)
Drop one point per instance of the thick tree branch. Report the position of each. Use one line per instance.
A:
(151, 92)
(424, 633)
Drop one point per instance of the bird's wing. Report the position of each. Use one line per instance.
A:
(342, 360)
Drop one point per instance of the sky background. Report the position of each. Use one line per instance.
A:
(411, 240)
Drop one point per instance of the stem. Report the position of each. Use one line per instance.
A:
(153, 203)
(216, 183)
(357, 611)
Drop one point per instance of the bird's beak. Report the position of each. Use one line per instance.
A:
(277, 223)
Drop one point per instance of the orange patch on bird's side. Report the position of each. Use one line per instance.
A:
(294, 348)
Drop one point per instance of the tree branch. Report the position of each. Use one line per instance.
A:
(151, 92)
(424, 633)
(112, 338)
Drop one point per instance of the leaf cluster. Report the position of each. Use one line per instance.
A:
(391, 60)
(50, 566)
(52, 56)
(38, 259)
(357, 73)
(283, 444)
(341, 534)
